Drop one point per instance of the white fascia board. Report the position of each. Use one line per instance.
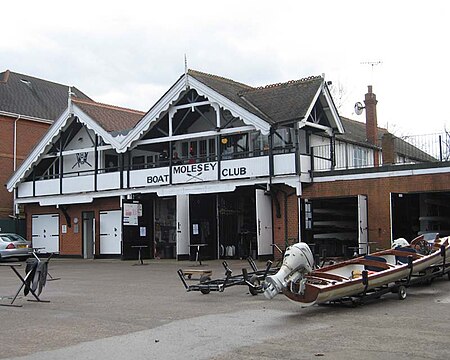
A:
(54, 130)
(38, 150)
(380, 175)
(311, 106)
(334, 112)
(173, 94)
(208, 187)
(323, 90)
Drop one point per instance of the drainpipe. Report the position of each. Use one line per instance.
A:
(271, 165)
(14, 209)
(15, 143)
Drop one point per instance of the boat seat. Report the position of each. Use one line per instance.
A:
(374, 267)
(404, 259)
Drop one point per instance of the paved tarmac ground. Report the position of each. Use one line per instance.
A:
(111, 309)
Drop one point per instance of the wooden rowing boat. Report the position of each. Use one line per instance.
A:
(349, 278)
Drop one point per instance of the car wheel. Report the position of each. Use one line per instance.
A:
(401, 292)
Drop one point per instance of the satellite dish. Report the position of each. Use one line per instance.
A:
(359, 108)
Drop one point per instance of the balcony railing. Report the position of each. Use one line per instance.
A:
(197, 170)
(400, 150)
(432, 147)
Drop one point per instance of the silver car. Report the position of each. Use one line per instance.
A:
(14, 246)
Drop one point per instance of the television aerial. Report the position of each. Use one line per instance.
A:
(359, 108)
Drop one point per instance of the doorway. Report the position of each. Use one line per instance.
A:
(88, 234)
(237, 224)
(203, 224)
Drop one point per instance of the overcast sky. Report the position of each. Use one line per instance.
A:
(128, 53)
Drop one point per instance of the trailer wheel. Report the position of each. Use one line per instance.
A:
(204, 279)
(256, 284)
(401, 292)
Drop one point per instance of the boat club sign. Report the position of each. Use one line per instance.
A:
(191, 173)
(200, 172)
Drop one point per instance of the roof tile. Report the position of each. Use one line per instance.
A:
(111, 118)
(30, 96)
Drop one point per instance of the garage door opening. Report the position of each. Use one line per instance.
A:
(415, 214)
(336, 227)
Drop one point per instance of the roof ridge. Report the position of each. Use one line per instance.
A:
(113, 107)
(192, 71)
(275, 85)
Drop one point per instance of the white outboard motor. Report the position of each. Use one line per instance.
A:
(400, 242)
(298, 260)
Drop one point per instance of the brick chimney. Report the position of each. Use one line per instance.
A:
(388, 149)
(370, 102)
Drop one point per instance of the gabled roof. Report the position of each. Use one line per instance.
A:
(105, 120)
(259, 107)
(30, 96)
(273, 103)
(285, 101)
(111, 118)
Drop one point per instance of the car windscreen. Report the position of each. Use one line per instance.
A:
(6, 238)
(12, 237)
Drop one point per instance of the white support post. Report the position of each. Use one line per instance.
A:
(172, 112)
(216, 107)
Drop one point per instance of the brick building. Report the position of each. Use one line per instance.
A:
(227, 166)
(28, 106)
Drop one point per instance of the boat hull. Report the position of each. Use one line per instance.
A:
(330, 284)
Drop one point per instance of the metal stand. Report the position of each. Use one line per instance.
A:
(139, 247)
(24, 284)
(35, 253)
(197, 252)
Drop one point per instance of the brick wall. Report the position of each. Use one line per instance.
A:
(288, 209)
(378, 197)
(71, 243)
(28, 134)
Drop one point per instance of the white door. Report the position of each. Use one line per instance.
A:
(264, 223)
(111, 232)
(363, 244)
(182, 224)
(45, 232)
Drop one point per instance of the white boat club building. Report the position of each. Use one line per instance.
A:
(213, 162)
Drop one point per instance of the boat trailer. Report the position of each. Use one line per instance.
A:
(399, 287)
(251, 279)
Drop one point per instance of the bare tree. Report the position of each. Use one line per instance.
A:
(339, 94)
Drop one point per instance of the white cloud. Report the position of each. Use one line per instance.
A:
(130, 53)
